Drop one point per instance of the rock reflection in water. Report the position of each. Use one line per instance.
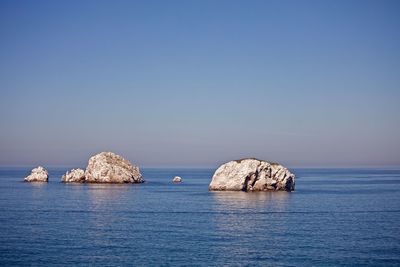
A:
(106, 202)
(233, 201)
(103, 196)
(241, 218)
(38, 192)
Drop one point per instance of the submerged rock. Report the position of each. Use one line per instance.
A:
(177, 179)
(38, 174)
(252, 175)
(74, 176)
(108, 167)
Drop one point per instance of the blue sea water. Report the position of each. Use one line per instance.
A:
(336, 217)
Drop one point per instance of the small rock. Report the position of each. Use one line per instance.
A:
(74, 176)
(38, 174)
(177, 179)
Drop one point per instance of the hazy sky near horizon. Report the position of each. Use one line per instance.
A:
(198, 83)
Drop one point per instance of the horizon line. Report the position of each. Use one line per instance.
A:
(211, 167)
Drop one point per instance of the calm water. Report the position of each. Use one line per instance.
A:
(334, 218)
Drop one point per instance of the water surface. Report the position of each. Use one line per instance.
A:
(336, 217)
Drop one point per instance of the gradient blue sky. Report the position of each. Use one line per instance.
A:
(198, 83)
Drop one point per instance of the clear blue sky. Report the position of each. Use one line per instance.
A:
(198, 83)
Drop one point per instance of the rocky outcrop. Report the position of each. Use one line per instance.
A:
(38, 174)
(108, 167)
(74, 176)
(177, 179)
(252, 175)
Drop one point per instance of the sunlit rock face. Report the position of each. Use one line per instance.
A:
(107, 167)
(38, 174)
(74, 176)
(252, 175)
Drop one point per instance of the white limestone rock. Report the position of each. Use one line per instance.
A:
(252, 175)
(177, 179)
(107, 167)
(74, 176)
(38, 174)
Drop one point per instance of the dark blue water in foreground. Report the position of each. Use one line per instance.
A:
(334, 218)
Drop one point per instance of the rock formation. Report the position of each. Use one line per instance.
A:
(108, 167)
(38, 174)
(74, 176)
(252, 175)
(177, 179)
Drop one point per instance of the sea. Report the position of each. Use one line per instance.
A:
(335, 217)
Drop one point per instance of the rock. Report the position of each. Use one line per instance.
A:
(108, 167)
(252, 175)
(177, 179)
(38, 174)
(74, 176)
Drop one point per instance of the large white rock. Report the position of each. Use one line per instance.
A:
(38, 174)
(74, 176)
(252, 175)
(108, 167)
